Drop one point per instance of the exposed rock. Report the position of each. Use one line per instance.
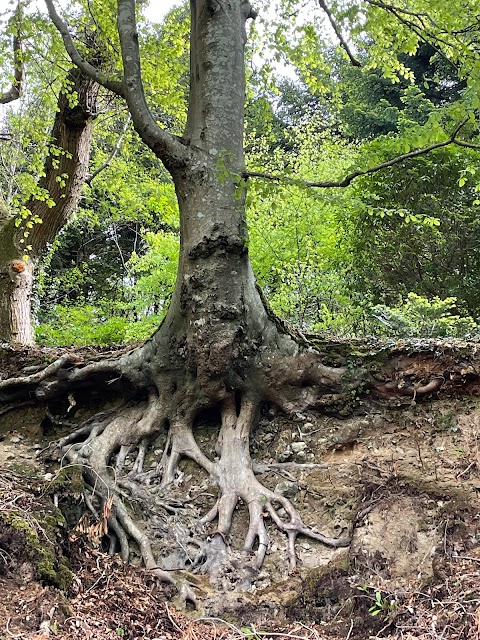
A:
(287, 489)
(298, 446)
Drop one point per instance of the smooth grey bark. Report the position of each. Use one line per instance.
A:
(216, 305)
(219, 348)
(65, 171)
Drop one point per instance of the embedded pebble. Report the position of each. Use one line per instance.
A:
(287, 489)
(298, 446)
(286, 454)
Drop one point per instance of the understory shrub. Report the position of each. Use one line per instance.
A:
(420, 317)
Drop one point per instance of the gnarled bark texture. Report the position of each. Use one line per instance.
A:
(65, 171)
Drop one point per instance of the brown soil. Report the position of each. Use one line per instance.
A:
(401, 475)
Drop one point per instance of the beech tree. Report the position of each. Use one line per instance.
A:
(220, 350)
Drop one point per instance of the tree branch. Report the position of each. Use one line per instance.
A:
(165, 146)
(116, 86)
(18, 83)
(345, 182)
(338, 33)
(467, 145)
(112, 155)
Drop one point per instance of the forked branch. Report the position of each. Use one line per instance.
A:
(114, 85)
(130, 87)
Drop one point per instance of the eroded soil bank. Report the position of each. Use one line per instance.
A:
(397, 473)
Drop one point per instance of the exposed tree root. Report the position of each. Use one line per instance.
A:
(396, 388)
(101, 446)
(100, 438)
(162, 400)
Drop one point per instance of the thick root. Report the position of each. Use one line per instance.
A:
(101, 446)
(262, 503)
(233, 473)
(104, 444)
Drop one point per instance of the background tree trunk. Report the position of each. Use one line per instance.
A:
(65, 171)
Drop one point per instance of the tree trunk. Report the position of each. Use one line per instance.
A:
(219, 352)
(65, 171)
(16, 282)
(216, 311)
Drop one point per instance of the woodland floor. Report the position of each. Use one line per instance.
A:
(400, 475)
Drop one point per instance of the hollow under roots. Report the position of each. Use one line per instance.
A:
(101, 446)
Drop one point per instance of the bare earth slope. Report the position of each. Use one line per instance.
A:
(396, 469)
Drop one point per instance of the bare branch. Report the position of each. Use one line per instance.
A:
(112, 155)
(116, 86)
(345, 182)
(467, 145)
(338, 33)
(18, 83)
(165, 146)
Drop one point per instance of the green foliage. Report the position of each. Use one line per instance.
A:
(297, 256)
(112, 269)
(251, 634)
(155, 273)
(128, 313)
(29, 118)
(22, 157)
(381, 603)
(80, 326)
(94, 325)
(165, 67)
(420, 317)
(414, 228)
